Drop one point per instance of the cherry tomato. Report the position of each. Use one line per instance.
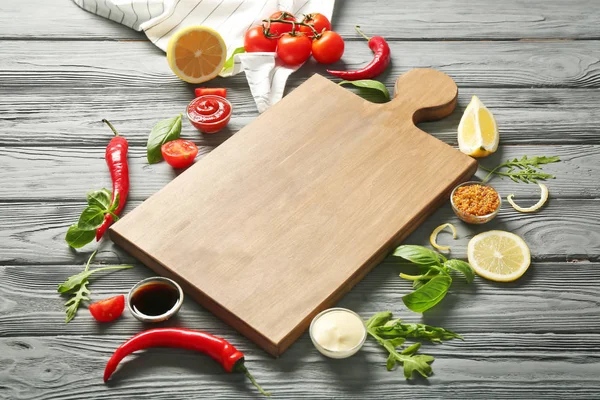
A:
(255, 40)
(318, 21)
(109, 309)
(179, 153)
(294, 49)
(329, 48)
(201, 91)
(279, 28)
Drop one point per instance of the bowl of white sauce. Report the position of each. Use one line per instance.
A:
(338, 332)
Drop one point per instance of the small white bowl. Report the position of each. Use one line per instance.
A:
(155, 318)
(337, 353)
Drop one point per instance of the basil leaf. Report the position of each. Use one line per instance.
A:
(462, 267)
(115, 205)
(77, 237)
(99, 198)
(91, 218)
(417, 254)
(369, 84)
(164, 131)
(231, 60)
(429, 294)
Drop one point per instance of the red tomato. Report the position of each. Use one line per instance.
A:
(255, 40)
(318, 21)
(329, 48)
(294, 50)
(109, 309)
(179, 153)
(201, 91)
(279, 28)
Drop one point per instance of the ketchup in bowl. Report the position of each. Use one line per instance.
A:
(209, 113)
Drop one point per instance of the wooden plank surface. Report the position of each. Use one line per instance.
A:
(535, 64)
(413, 19)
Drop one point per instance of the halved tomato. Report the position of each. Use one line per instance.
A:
(109, 309)
(179, 153)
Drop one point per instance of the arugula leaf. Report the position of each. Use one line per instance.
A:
(74, 302)
(429, 294)
(77, 286)
(462, 267)
(525, 170)
(410, 361)
(418, 255)
(378, 319)
(77, 237)
(397, 329)
(164, 131)
(76, 280)
(369, 84)
(99, 198)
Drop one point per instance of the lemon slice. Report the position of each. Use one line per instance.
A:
(433, 236)
(196, 54)
(477, 131)
(498, 255)
(536, 206)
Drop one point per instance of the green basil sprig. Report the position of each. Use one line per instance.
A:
(84, 231)
(369, 84)
(164, 131)
(434, 281)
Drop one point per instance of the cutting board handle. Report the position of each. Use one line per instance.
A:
(425, 93)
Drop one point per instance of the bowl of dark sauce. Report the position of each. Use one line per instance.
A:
(155, 299)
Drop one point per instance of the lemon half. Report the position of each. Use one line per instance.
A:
(196, 54)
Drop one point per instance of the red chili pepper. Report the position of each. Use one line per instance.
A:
(116, 159)
(217, 348)
(380, 61)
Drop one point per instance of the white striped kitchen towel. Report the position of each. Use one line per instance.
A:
(159, 19)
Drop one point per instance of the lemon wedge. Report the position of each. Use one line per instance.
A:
(536, 206)
(478, 131)
(196, 54)
(436, 231)
(498, 255)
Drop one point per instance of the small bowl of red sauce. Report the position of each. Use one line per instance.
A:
(475, 202)
(155, 299)
(209, 113)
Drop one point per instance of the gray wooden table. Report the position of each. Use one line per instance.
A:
(535, 64)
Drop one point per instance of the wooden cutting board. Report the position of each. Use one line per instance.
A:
(285, 217)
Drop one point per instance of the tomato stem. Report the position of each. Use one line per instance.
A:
(357, 27)
(267, 29)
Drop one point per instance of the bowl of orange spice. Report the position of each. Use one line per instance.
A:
(475, 202)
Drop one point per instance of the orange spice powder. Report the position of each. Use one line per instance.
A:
(476, 199)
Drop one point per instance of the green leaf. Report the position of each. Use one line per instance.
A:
(378, 319)
(417, 254)
(410, 350)
(115, 205)
(77, 237)
(91, 218)
(231, 60)
(74, 302)
(429, 294)
(391, 362)
(99, 198)
(164, 131)
(462, 267)
(418, 363)
(397, 329)
(76, 280)
(369, 84)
